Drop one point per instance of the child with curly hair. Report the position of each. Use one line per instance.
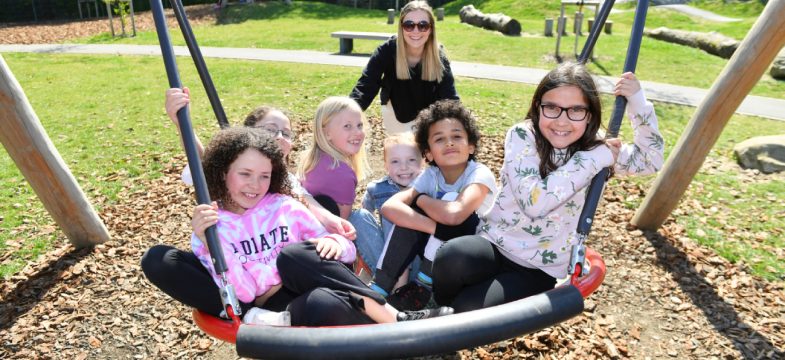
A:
(443, 202)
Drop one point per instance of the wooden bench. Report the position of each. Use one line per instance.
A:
(346, 38)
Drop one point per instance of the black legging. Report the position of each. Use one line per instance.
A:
(180, 275)
(331, 292)
(404, 245)
(317, 292)
(470, 273)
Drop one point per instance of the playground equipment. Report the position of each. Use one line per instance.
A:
(742, 72)
(423, 337)
(561, 23)
(36, 157)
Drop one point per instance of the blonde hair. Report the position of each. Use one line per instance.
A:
(432, 66)
(324, 114)
(406, 138)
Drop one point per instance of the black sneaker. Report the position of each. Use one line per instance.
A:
(410, 297)
(424, 314)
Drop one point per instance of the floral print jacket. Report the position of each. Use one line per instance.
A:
(533, 220)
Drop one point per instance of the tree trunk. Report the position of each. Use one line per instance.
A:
(712, 42)
(497, 22)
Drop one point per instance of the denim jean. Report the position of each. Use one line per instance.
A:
(376, 194)
(370, 240)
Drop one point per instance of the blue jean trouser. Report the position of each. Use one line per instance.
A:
(370, 240)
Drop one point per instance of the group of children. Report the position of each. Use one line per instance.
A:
(466, 243)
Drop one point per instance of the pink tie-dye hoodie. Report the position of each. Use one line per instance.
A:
(252, 241)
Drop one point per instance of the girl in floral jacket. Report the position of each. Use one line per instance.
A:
(523, 243)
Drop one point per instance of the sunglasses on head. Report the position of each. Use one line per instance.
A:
(409, 26)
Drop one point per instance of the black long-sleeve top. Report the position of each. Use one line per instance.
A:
(408, 96)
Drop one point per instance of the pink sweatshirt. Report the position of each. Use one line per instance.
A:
(252, 241)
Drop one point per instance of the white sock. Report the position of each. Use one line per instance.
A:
(261, 316)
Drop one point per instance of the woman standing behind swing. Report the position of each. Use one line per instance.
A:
(411, 69)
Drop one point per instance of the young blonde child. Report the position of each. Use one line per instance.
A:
(523, 243)
(335, 160)
(333, 164)
(441, 204)
(402, 163)
(278, 256)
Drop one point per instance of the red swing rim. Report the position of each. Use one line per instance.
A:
(589, 283)
(226, 330)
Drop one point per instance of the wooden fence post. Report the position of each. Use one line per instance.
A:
(742, 72)
(36, 157)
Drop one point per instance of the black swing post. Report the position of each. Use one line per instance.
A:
(228, 296)
(201, 67)
(594, 33)
(594, 192)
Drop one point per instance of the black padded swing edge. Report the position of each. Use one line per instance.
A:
(405, 339)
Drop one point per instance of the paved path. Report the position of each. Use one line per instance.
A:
(708, 15)
(752, 105)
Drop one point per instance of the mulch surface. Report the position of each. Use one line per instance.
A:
(62, 31)
(664, 295)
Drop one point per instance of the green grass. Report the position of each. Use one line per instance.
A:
(306, 25)
(110, 120)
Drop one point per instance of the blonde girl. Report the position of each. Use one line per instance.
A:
(411, 69)
(335, 160)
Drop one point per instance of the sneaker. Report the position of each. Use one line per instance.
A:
(424, 314)
(410, 297)
(260, 316)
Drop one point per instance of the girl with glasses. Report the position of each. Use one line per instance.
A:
(523, 242)
(411, 69)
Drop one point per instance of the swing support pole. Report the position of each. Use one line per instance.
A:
(744, 69)
(228, 296)
(594, 192)
(201, 66)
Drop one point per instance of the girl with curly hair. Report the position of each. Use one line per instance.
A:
(285, 267)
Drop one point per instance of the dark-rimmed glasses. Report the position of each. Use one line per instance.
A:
(274, 131)
(409, 26)
(575, 113)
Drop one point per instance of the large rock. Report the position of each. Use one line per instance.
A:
(712, 42)
(778, 66)
(765, 153)
(498, 22)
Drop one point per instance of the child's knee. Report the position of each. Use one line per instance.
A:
(153, 261)
(294, 255)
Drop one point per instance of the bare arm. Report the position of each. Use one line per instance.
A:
(176, 99)
(333, 224)
(400, 213)
(454, 212)
(345, 210)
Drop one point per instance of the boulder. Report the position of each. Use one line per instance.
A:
(778, 66)
(765, 153)
(712, 42)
